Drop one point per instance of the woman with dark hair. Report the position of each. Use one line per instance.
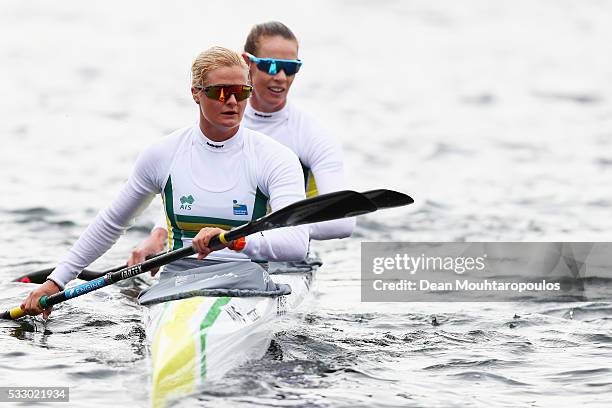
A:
(271, 50)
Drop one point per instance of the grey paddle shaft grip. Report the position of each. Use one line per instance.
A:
(114, 277)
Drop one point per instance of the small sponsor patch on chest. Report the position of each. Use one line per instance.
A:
(239, 209)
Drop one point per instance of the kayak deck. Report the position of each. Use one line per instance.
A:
(198, 339)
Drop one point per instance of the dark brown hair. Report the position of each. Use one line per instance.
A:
(269, 29)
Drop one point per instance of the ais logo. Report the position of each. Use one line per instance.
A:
(186, 202)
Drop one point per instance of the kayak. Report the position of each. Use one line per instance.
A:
(197, 339)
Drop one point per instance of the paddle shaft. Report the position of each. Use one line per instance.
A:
(129, 272)
(325, 207)
(111, 278)
(381, 198)
(114, 277)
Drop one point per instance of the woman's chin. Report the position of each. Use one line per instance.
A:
(228, 123)
(276, 99)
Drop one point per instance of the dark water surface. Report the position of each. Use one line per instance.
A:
(495, 116)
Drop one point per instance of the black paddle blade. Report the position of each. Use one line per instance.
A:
(326, 207)
(41, 276)
(388, 198)
(35, 277)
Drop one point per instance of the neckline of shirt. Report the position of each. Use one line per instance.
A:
(267, 116)
(233, 143)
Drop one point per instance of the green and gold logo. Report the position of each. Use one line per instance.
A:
(186, 202)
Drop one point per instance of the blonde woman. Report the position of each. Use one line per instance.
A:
(212, 176)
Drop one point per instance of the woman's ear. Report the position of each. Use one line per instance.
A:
(246, 57)
(194, 94)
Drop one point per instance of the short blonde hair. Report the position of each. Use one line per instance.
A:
(211, 59)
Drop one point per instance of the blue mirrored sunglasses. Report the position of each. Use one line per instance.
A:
(273, 66)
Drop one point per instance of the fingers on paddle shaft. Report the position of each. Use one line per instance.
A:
(215, 243)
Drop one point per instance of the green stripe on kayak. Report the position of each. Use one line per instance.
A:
(207, 322)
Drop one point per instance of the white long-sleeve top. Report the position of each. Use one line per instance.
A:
(318, 152)
(319, 155)
(203, 183)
